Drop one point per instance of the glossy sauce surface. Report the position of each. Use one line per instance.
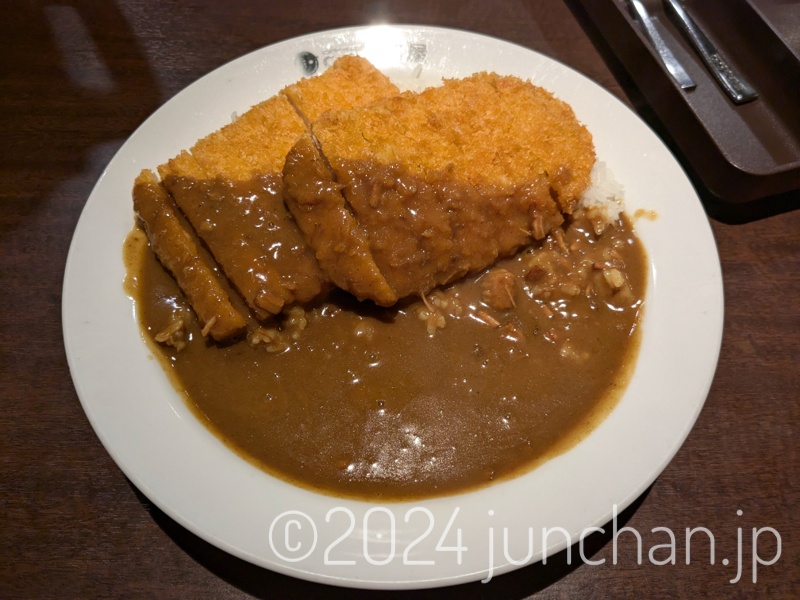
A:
(247, 228)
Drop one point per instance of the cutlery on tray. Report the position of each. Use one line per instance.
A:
(668, 59)
(728, 78)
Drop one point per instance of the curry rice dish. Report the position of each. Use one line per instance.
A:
(390, 295)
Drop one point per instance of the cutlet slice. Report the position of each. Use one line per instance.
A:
(340, 245)
(251, 235)
(176, 250)
(446, 181)
(229, 187)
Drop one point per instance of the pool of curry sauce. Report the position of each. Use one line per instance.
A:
(371, 403)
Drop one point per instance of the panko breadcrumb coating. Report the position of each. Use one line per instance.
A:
(350, 82)
(488, 130)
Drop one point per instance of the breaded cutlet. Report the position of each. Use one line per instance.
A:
(388, 194)
(445, 181)
(253, 149)
(486, 129)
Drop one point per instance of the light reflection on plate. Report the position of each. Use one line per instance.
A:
(196, 480)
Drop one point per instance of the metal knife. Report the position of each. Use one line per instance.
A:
(728, 78)
(671, 63)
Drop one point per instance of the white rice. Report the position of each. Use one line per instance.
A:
(604, 192)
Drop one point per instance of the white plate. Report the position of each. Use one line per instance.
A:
(190, 475)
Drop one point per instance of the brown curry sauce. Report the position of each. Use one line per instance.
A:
(478, 381)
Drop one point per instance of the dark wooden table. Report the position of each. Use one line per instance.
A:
(79, 77)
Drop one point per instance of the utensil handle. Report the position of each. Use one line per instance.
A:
(728, 78)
